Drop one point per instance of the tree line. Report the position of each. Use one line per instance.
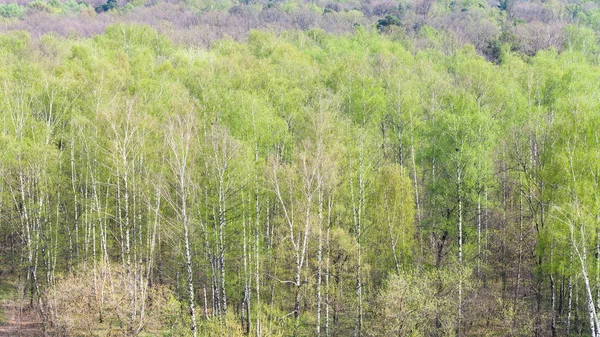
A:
(523, 26)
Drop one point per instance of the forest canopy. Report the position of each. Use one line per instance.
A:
(301, 183)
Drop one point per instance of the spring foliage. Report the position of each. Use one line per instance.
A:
(299, 183)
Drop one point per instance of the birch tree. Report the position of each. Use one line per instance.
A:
(180, 138)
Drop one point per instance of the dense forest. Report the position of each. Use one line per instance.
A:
(324, 169)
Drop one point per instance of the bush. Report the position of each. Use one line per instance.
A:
(418, 304)
(109, 5)
(106, 300)
(11, 11)
(389, 20)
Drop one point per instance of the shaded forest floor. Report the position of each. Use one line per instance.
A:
(17, 317)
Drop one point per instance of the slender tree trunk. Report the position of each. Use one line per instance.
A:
(180, 137)
(520, 256)
(222, 224)
(593, 318)
(327, 249)
(257, 256)
(358, 206)
(246, 301)
(188, 255)
(150, 256)
(211, 259)
(486, 235)
(121, 234)
(460, 251)
(128, 274)
(553, 305)
(597, 258)
(416, 184)
(319, 258)
(569, 305)
(75, 203)
(299, 244)
(392, 241)
(596, 176)
(479, 234)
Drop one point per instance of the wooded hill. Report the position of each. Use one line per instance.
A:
(300, 183)
(489, 25)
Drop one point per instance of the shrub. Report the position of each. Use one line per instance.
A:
(109, 5)
(106, 300)
(389, 20)
(11, 10)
